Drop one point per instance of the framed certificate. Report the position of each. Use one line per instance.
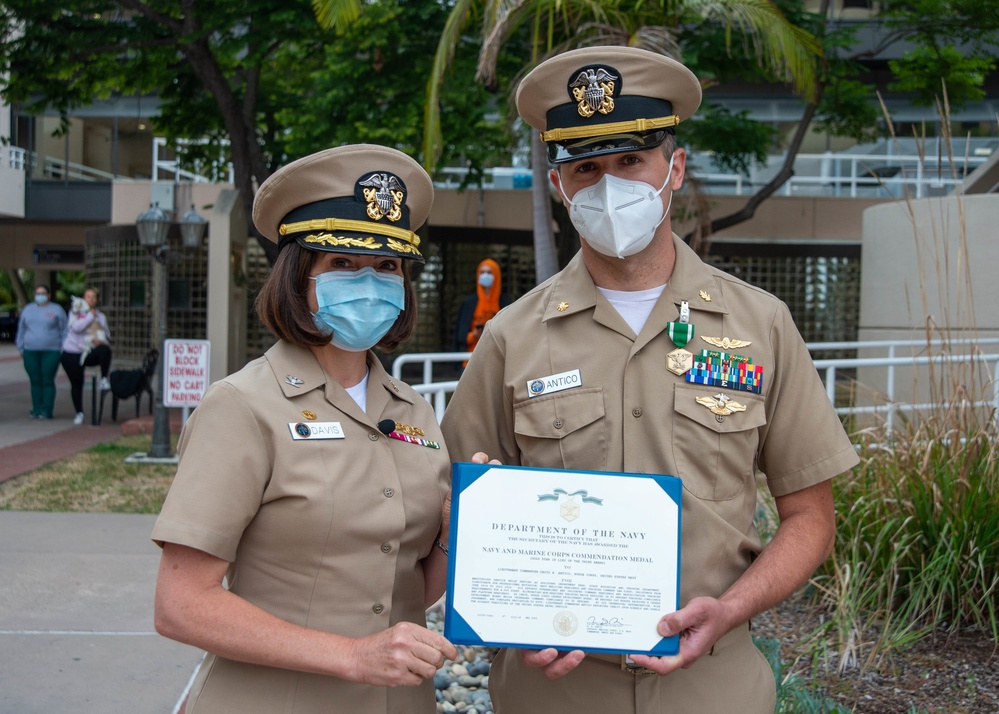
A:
(543, 558)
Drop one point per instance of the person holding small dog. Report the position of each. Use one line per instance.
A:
(86, 345)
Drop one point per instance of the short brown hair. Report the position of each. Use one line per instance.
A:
(282, 303)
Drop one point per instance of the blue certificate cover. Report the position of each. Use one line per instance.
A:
(559, 558)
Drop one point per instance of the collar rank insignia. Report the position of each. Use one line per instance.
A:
(721, 405)
(706, 297)
(562, 306)
(294, 381)
(384, 194)
(593, 88)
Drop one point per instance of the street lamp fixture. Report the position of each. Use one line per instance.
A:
(153, 227)
(192, 228)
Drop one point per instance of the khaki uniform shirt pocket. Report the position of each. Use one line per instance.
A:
(563, 430)
(715, 454)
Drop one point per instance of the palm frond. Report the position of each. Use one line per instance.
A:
(787, 50)
(336, 13)
(432, 138)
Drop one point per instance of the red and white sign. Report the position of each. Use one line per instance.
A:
(185, 372)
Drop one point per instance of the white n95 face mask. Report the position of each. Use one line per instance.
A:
(618, 217)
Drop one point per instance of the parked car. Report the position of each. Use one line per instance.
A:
(8, 322)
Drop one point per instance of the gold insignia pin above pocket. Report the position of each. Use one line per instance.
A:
(308, 414)
(721, 405)
(404, 432)
(725, 343)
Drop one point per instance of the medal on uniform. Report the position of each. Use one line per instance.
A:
(679, 361)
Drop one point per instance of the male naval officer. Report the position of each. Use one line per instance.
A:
(638, 357)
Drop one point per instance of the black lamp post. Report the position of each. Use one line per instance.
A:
(153, 226)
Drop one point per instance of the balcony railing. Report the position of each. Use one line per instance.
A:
(836, 175)
(163, 164)
(15, 158)
(879, 174)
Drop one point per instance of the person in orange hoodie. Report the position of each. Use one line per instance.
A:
(476, 310)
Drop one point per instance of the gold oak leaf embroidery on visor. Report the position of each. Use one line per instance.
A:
(401, 247)
(330, 239)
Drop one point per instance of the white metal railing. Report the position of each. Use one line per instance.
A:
(161, 164)
(15, 157)
(437, 392)
(884, 175)
(60, 169)
(891, 407)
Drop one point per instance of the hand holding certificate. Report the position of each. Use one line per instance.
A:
(566, 559)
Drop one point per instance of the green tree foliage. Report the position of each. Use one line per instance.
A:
(368, 84)
(209, 62)
(928, 72)
(257, 82)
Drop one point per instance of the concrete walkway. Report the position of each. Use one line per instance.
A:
(76, 589)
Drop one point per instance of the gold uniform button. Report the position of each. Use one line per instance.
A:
(558, 423)
(636, 412)
(386, 548)
(373, 436)
(389, 492)
(378, 609)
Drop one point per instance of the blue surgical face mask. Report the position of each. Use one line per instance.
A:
(486, 280)
(41, 298)
(357, 308)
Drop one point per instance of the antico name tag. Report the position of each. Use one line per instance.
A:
(554, 383)
(301, 430)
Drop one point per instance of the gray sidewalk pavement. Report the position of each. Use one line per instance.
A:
(76, 589)
(76, 618)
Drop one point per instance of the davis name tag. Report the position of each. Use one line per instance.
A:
(301, 430)
(554, 383)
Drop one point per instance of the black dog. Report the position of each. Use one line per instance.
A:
(127, 383)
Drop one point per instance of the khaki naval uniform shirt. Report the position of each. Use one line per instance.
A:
(629, 413)
(324, 533)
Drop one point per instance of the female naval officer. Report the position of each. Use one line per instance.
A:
(305, 533)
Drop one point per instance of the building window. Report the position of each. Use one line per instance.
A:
(137, 293)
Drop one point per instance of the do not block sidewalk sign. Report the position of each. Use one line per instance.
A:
(185, 372)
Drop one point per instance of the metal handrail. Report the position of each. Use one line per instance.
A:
(919, 172)
(437, 392)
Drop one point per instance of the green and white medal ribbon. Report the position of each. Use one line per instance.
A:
(679, 361)
(681, 332)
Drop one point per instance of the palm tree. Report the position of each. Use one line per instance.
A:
(784, 50)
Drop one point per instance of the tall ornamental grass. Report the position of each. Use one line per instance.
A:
(917, 544)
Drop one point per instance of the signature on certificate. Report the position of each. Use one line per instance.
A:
(594, 621)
